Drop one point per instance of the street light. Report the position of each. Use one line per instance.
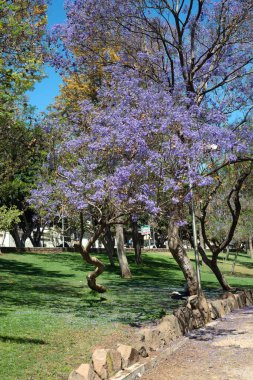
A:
(62, 227)
(211, 147)
(195, 240)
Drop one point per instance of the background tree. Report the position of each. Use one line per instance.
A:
(220, 212)
(8, 218)
(22, 27)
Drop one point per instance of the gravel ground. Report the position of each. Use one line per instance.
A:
(221, 351)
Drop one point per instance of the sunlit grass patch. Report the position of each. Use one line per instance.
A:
(50, 320)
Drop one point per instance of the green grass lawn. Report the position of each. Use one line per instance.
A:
(50, 320)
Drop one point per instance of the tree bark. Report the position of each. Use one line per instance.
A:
(201, 239)
(108, 243)
(85, 253)
(36, 238)
(124, 267)
(19, 242)
(179, 253)
(223, 282)
(234, 206)
(234, 263)
(212, 264)
(136, 243)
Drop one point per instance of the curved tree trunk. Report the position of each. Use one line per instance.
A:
(85, 252)
(136, 243)
(180, 255)
(124, 267)
(223, 282)
(212, 264)
(108, 243)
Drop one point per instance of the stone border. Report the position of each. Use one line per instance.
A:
(154, 344)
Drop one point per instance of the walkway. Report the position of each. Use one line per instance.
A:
(221, 351)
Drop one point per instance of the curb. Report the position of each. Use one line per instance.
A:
(138, 369)
(161, 340)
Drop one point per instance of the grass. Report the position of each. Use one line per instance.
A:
(50, 321)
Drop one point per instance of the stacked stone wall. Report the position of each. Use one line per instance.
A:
(152, 344)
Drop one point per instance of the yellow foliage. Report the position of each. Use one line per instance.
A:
(39, 9)
(112, 52)
(84, 86)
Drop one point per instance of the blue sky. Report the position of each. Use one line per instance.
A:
(46, 90)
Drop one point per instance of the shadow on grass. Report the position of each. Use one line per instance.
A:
(248, 264)
(15, 267)
(144, 297)
(11, 339)
(237, 273)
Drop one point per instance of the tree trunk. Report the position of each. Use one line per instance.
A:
(136, 243)
(108, 243)
(124, 267)
(227, 254)
(234, 263)
(36, 238)
(85, 252)
(3, 239)
(223, 282)
(212, 264)
(201, 239)
(179, 253)
(19, 242)
(250, 247)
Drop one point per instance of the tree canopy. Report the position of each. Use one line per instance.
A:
(162, 120)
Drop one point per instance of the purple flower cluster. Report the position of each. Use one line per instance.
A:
(155, 128)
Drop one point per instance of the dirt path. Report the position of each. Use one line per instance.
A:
(221, 351)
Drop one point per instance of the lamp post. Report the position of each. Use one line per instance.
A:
(212, 147)
(195, 240)
(62, 227)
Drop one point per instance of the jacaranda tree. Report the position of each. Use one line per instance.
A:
(124, 157)
(164, 105)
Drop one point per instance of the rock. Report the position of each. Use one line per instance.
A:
(200, 310)
(248, 296)
(83, 372)
(192, 302)
(242, 299)
(232, 301)
(150, 338)
(154, 338)
(218, 310)
(185, 320)
(141, 349)
(198, 320)
(129, 355)
(106, 362)
(169, 328)
(239, 301)
(226, 306)
(226, 295)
